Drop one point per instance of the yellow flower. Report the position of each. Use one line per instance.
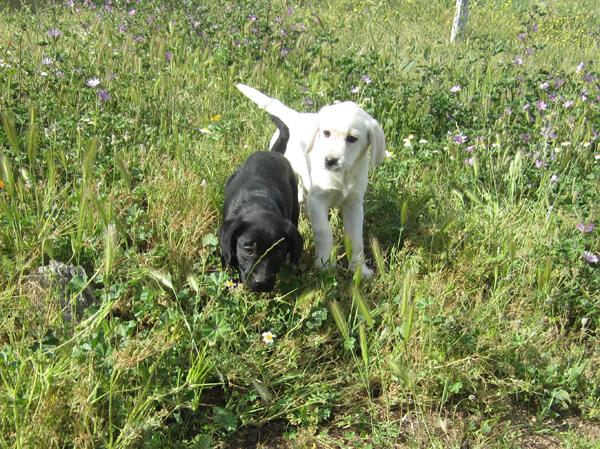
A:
(215, 118)
(1, 184)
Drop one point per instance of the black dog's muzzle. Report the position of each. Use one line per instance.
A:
(260, 283)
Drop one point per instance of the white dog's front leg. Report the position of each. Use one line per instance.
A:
(353, 215)
(318, 215)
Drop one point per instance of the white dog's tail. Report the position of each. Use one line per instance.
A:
(271, 105)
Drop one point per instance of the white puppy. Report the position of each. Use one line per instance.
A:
(328, 151)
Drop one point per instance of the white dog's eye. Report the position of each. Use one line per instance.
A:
(351, 139)
(326, 133)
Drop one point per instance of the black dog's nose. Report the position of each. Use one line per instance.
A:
(331, 162)
(263, 284)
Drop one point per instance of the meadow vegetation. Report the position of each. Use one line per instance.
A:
(120, 124)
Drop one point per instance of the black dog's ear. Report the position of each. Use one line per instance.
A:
(228, 236)
(295, 242)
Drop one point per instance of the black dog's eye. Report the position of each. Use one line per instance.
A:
(351, 139)
(248, 248)
(326, 133)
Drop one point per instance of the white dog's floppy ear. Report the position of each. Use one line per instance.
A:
(311, 141)
(377, 141)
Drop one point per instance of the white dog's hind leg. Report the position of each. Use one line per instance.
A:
(319, 220)
(353, 216)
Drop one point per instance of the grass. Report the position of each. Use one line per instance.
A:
(480, 328)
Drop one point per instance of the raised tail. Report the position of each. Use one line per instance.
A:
(271, 105)
(283, 136)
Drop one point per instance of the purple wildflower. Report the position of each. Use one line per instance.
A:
(525, 137)
(455, 89)
(470, 148)
(558, 83)
(459, 138)
(529, 51)
(103, 95)
(541, 105)
(132, 12)
(526, 106)
(252, 17)
(289, 11)
(548, 133)
(355, 90)
(308, 101)
(588, 78)
(553, 97)
(580, 67)
(284, 52)
(585, 228)
(469, 161)
(168, 56)
(567, 104)
(54, 32)
(366, 79)
(521, 36)
(122, 28)
(518, 60)
(539, 163)
(553, 179)
(534, 28)
(590, 257)
(47, 61)
(545, 85)
(584, 95)
(92, 82)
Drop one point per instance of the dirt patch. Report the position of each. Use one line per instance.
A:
(270, 435)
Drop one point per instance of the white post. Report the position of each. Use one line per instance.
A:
(460, 20)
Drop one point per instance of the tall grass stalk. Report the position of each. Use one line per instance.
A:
(110, 250)
(339, 318)
(32, 139)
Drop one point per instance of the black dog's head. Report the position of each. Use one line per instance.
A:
(257, 246)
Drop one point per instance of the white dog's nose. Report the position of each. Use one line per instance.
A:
(331, 162)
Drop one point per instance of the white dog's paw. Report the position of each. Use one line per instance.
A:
(366, 271)
(322, 264)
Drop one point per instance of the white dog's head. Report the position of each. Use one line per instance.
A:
(342, 136)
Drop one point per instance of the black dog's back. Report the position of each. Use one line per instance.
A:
(266, 180)
(262, 172)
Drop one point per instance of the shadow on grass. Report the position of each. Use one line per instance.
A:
(392, 215)
(270, 434)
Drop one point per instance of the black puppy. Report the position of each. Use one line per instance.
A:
(261, 216)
